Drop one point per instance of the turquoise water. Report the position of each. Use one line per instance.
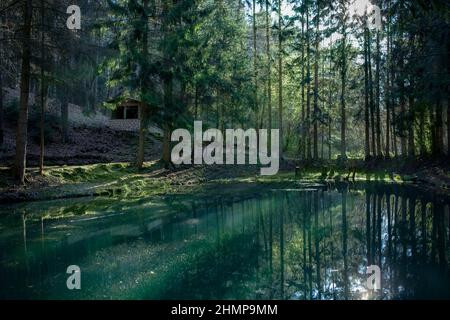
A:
(293, 242)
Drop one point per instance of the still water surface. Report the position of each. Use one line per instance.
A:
(259, 243)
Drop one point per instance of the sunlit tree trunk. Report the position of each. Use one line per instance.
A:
(316, 87)
(142, 135)
(255, 66)
(269, 66)
(308, 85)
(403, 144)
(403, 141)
(377, 94)
(411, 142)
(394, 133)
(371, 97)
(43, 95)
(143, 108)
(411, 111)
(303, 133)
(343, 93)
(330, 104)
(22, 124)
(421, 133)
(280, 77)
(388, 86)
(366, 98)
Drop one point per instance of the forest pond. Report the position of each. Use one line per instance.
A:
(297, 242)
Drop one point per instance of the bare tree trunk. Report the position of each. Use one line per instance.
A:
(43, 95)
(411, 112)
(411, 142)
(143, 108)
(371, 98)
(280, 78)
(269, 67)
(255, 67)
(330, 105)
(316, 87)
(388, 128)
(403, 144)
(377, 93)
(329, 138)
(303, 134)
(43, 103)
(1, 111)
(142, 135)
(422, 133)
(343, 85)
(366, 98)
(322, 142)
(22, 130)
(394, 133)
(388, 85)
(308, 87)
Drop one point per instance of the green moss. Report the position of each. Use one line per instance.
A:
(324, 174)
(88, 173)
(122, 180)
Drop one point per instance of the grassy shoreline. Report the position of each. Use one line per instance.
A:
(122, 179)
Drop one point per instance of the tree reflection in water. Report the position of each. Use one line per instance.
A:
(269, 244)
(404, 233)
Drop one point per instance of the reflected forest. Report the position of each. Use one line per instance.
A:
(278, 244)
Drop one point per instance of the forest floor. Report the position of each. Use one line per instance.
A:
(85, 145)
(96, 161)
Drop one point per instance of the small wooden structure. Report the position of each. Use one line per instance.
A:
(127, 110)
(126, 116)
